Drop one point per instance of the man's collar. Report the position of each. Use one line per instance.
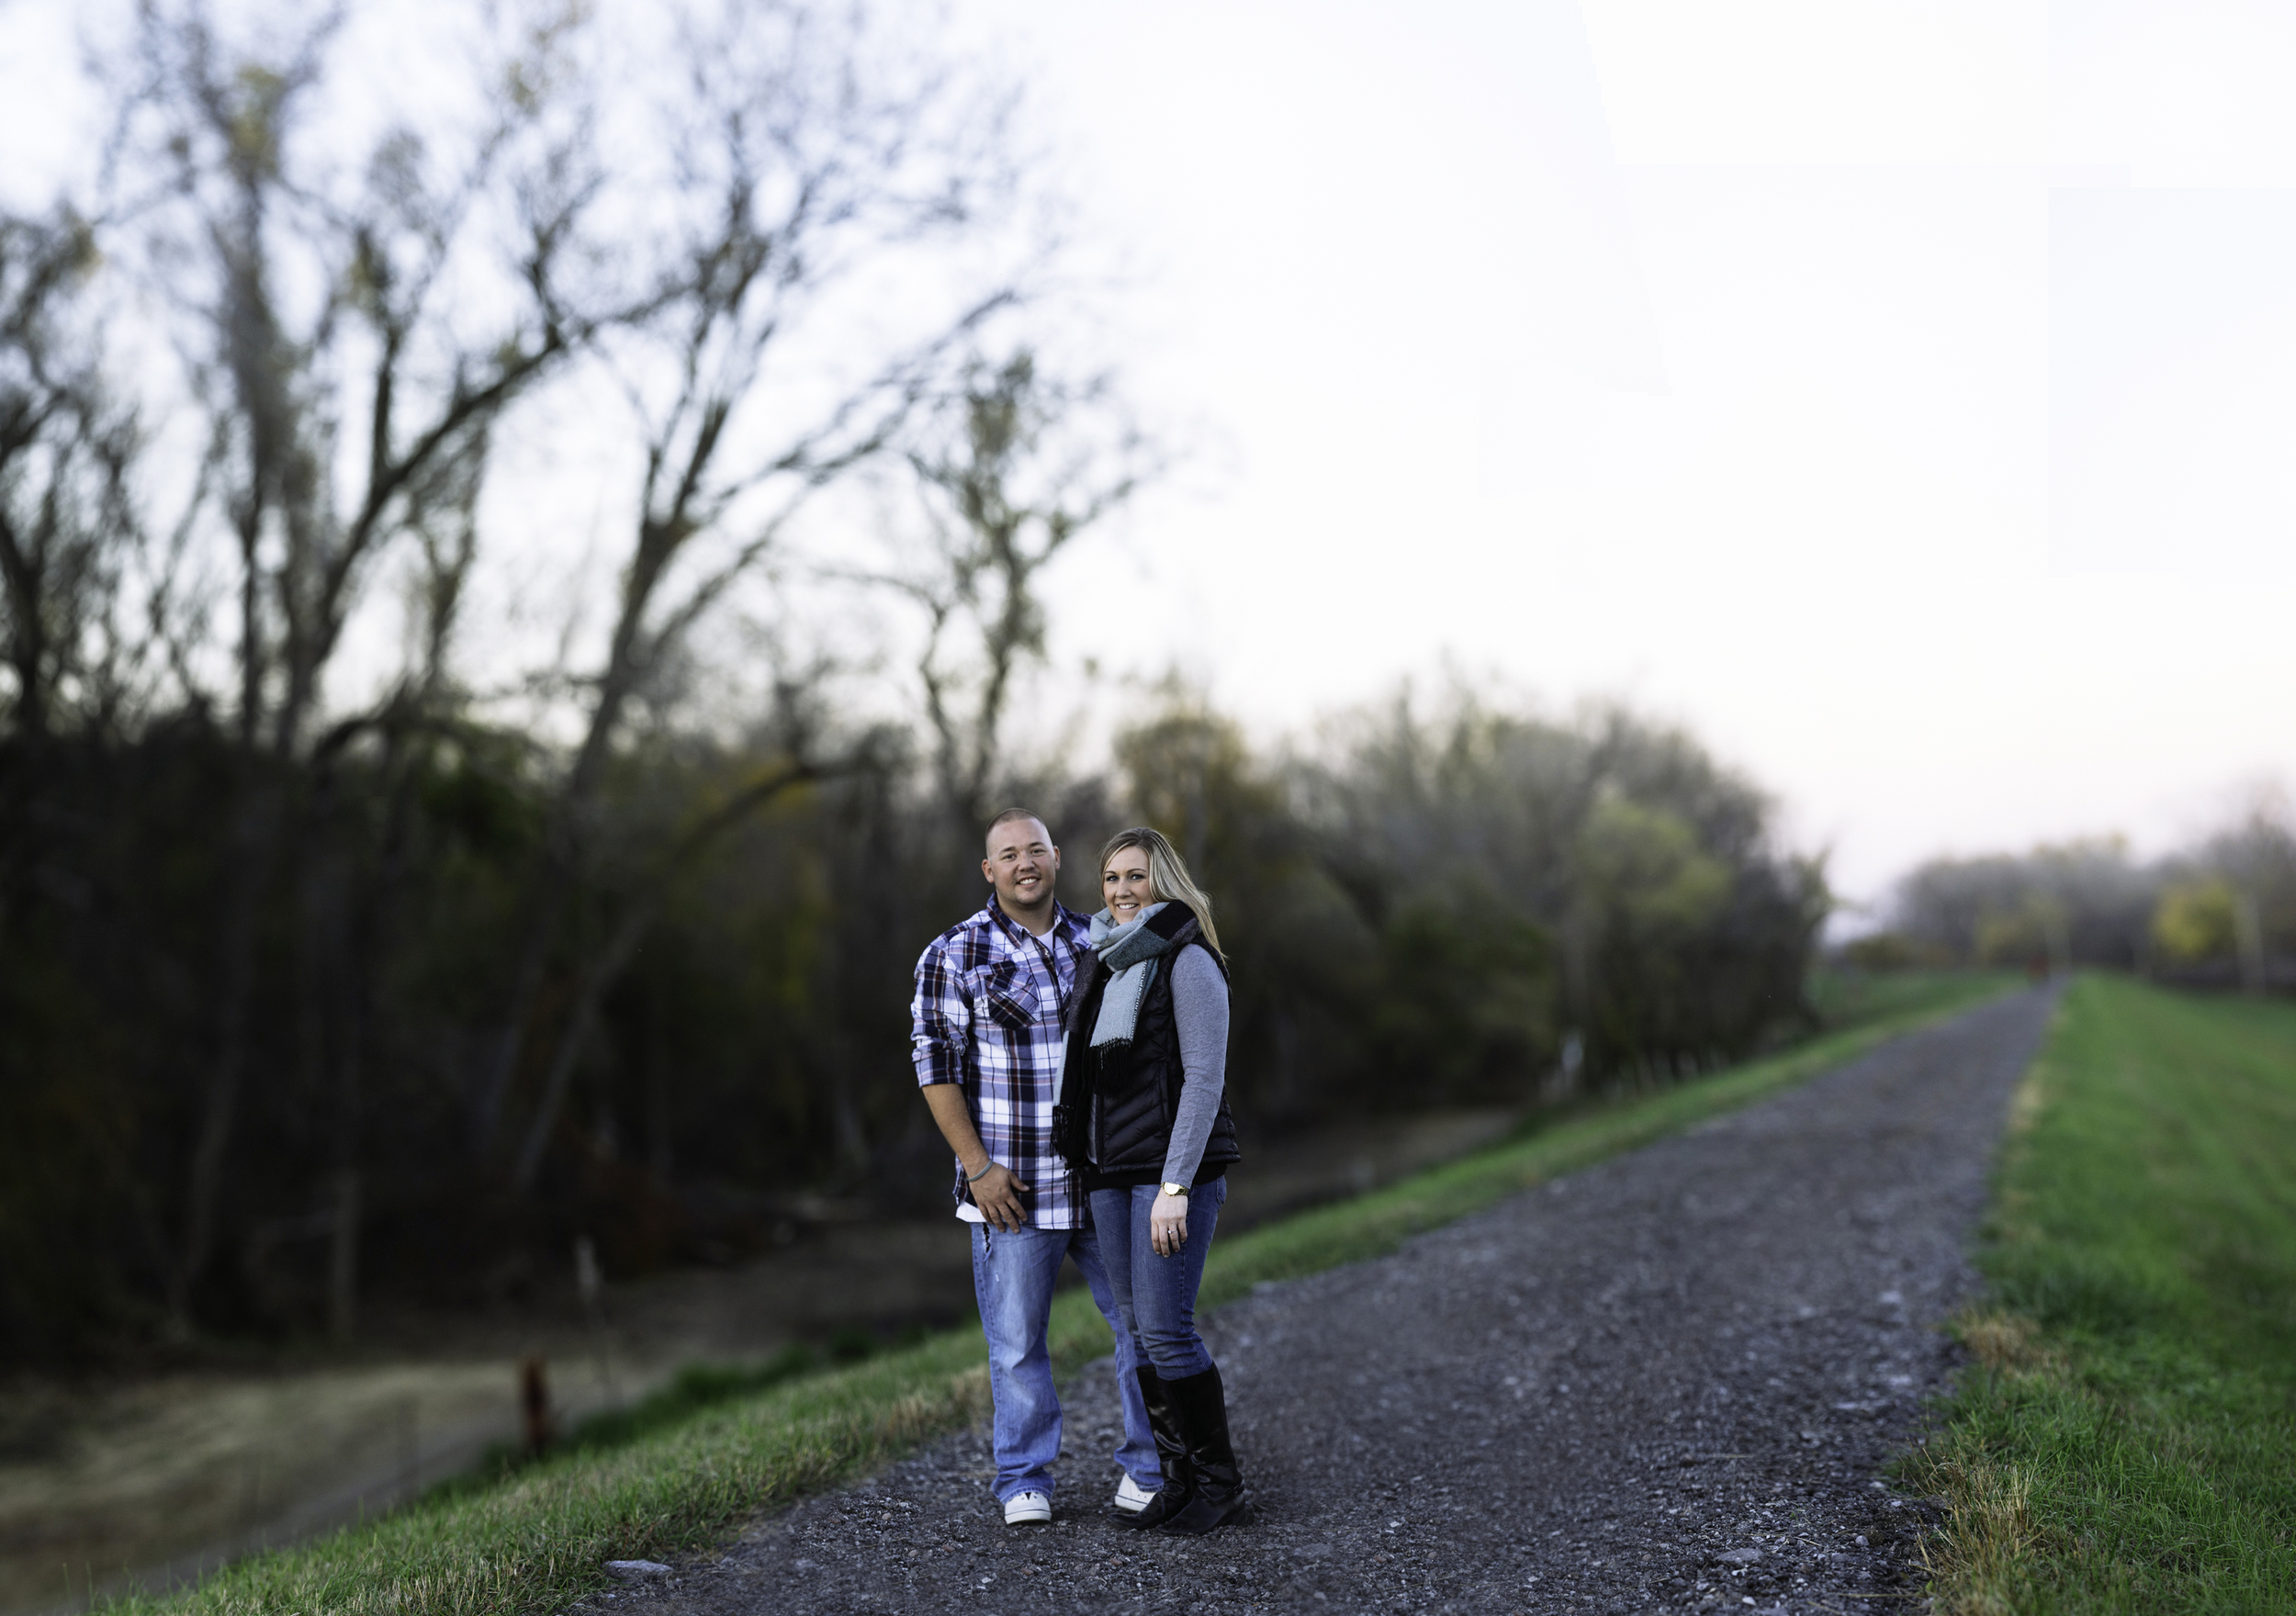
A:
(1064, 920)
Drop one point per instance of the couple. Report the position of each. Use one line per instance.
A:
(1076, 1068)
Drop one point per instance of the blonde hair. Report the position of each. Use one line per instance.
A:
(1167, 876)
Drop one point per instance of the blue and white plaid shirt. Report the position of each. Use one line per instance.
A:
(987, 1016)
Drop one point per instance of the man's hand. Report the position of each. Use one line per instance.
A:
(1167, 1224)
(997, 1193)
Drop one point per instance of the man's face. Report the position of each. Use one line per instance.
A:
(1021, 865)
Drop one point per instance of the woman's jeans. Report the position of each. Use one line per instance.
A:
(1157, 1296)
(1012, 1279)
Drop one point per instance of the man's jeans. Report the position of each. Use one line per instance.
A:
(1012, 1277)
(1157, 1296)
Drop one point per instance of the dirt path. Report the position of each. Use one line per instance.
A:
(1667, 1383)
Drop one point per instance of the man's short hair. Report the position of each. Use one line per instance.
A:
(1009, 814)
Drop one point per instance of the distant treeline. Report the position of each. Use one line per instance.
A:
(2219, 913)
(1421, 915)
(579, 897)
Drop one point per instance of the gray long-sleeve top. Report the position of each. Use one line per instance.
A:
(1199, 1006)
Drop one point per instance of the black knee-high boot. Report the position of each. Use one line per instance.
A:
(1179, 1477)
(1218, 1497)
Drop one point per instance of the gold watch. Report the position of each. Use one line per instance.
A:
(1174, 1189)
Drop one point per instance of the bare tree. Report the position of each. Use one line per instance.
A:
(67, 451)
(807, 153)
(1011, 469)
(335, 346)
(767, 235)
(350, 390)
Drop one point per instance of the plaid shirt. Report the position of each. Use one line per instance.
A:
(987, 1016)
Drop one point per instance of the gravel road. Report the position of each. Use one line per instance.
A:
(1667, 1383)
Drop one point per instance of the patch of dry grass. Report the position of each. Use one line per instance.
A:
(2007, 1344)
(1979, 1565)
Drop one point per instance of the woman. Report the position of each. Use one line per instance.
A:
(1143, 1118)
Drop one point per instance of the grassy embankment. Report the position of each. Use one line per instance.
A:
(534, 1540)
(2126, 1439)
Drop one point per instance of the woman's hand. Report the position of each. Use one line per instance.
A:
(1167, 1224)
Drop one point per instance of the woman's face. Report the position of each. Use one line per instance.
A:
(1124, 884)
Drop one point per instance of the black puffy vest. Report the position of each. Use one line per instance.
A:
(1117, 1103)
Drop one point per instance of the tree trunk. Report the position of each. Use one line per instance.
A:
(608, 968)
(343, 1261)
(248, 875)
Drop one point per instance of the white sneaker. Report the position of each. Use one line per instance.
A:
(1027, 1509)
(1130, 1499)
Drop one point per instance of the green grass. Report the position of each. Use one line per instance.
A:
(2126, 1439)
(534, 1539)
(692, 1391)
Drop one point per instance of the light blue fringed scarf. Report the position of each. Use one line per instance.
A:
(1129, 954)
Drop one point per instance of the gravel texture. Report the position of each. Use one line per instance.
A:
(1668, 1383)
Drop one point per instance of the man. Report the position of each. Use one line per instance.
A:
(988, 1035)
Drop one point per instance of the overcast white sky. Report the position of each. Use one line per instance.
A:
(1903, 394)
